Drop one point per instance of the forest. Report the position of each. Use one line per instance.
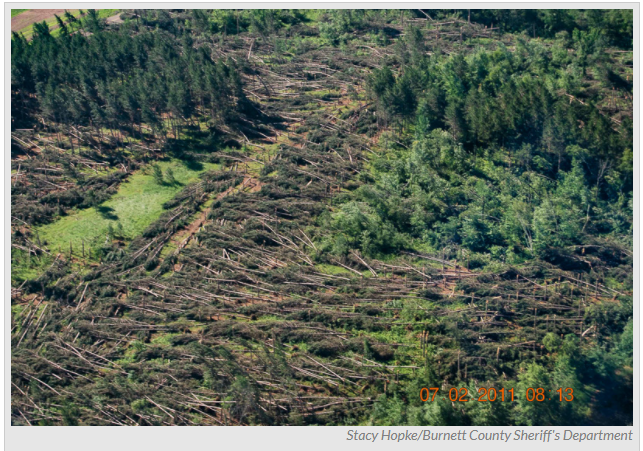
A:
(306, 217)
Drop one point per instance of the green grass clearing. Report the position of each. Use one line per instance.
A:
(138, 203)
(332, 269)
(15, 12)
(105, 13)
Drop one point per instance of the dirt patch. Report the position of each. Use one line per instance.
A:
(114, 19)
(183, 237)
(27, 18)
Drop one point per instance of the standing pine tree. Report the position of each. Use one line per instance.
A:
(157, 174)
(169, 175)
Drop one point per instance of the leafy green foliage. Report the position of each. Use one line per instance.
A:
(499, 159)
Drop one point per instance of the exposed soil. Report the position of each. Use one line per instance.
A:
(183, 237)
(27, 18)
(114, 19)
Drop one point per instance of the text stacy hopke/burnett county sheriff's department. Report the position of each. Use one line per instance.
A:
(545, 435)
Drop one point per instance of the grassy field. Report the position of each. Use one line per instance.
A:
(137, 204)
(53, 25)
(105, 13)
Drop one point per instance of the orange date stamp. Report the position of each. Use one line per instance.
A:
(537, 394)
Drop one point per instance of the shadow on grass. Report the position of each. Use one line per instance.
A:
(192, 164)
(107, 212)
(165, 182)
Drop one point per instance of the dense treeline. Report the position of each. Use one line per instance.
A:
(615, 25)
(504, 158)
(131, 79)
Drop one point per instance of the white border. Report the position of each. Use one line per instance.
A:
(55, 438)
